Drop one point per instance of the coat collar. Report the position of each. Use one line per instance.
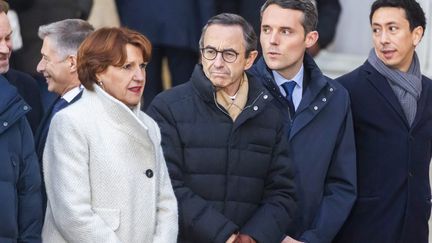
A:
(204, 88)
(422, 104)
(380, 83)
(315, 82)
(38, 134)
(12, 106)
(258, 96)
(201, 84)
(133, 122)
(317, 91)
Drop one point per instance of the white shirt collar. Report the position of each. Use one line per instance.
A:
(70, 95)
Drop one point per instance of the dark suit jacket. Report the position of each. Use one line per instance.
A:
(40, 136)
(394, 194)
(29, 90)
(40, 140)
(322, 145)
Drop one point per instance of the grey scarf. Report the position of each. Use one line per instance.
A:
(407, 86)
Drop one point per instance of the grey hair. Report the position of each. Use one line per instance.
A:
(310, 12)
(229, 19)
(67, 35)
(4, 7)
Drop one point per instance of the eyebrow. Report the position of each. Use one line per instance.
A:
(385, 24)
(228, 49)
(279, 27)
(286, 28)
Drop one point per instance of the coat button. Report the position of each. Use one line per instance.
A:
(255, 108)
(5, 124)
(25, 107)
(331, 89)
(149, 173)
(315, 108)
(324, 99)
(265, 97)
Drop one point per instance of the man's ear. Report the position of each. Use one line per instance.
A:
(250, 59)
(311, 38)
(417, 35)
(72, 60)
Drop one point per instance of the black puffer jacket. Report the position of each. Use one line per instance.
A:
(228, 176)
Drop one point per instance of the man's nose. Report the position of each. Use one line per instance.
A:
(4, 48)
(274, 38)
(219, 61)
(41, 66)
(384, 37)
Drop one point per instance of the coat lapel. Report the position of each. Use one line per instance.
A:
(122, 118)
(422, 103)
(316, 96)
(383, 87)
(38, 136)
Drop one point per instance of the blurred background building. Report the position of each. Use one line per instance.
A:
(353, 40)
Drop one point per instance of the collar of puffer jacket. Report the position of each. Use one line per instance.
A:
(12, 106)
(204, 88)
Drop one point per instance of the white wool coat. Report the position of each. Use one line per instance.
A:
(105, 175)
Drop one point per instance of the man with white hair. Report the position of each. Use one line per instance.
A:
(58, 65)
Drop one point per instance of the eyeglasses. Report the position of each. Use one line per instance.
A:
(210, 53)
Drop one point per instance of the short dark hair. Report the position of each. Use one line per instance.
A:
(230, 19)
(413, 11)
(310, 12)
(107, 47)
(4, 6)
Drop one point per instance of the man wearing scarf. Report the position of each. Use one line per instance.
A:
(391, 106)
(224, 142)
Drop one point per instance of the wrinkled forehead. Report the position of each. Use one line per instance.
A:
(224, 37)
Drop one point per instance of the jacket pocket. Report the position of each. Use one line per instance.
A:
(110, 216)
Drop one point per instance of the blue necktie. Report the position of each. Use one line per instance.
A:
(60, 104)
(289, 88)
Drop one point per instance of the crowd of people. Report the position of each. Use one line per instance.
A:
(257, 146)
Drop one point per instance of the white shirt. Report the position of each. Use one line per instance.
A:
(70, 95)
(298, 89)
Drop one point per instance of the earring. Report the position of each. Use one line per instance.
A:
(101, 85)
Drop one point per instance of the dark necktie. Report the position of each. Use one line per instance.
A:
(60, 104)
(289, 88)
